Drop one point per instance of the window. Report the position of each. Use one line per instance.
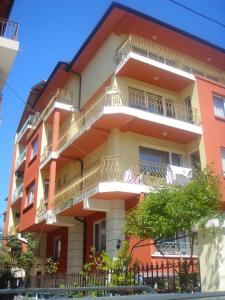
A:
(219, 106)
(154, 155)
(176, 159)
(195, 160)
(57, 249)
(100, 236)
(46, 188)
(34, 148)
(189, 112)
(17, 215)
(30, 194)
(159, 161)
(49, 136)
(223, 160)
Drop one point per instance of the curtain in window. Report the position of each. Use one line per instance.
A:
(219, 107)
(154, 156)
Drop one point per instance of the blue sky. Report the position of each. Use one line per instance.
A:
(53, 30)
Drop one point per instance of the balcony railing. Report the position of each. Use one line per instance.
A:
(17, 193)
(20, 159)
(31, 119)
(8, 29)
(176, 248)
(169, 57)
(46, 152)
(42, 206)
(60, 95)
(129, 97)
(124, 170)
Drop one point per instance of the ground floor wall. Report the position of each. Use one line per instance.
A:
(61, 234)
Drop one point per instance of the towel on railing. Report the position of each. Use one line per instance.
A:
(178, 175)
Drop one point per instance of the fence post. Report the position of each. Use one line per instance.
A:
(174, 277)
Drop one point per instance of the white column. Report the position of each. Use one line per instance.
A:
(114, 142)
(75, 247)
(114, 226)
(212, 258)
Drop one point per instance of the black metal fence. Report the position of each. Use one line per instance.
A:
(164, 277)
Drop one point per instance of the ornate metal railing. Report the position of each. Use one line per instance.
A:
(9, 29)
(42, 206)
(60, 95)
(20, 159)
(129, 97)
(169, 57)
(46, 151)
(31, 119)
(176, 248)
(17, 193)
(118, 169)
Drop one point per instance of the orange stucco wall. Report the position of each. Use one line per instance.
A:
(213, 127)
(61, 233)
(30, 175)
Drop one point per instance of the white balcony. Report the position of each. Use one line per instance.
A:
(137, 56)
(21, 159)
(17, 193)
(9, 47)
(118, 178)
(25, 128)
(131, 110)
(62, 100)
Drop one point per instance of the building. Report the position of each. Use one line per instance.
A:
(9, 44)
(139, 105)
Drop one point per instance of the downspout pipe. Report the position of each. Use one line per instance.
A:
(81, 165)
(83, 221)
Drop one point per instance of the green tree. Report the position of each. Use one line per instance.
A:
(172, 209)
(14, 256)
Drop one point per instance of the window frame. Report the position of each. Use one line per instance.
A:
(34, 146)
(30, 189)
(170, 155)
(222, 99)
(57, 250)
(101, 248)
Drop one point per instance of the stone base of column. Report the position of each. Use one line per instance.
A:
(114, 226)
(75, 248)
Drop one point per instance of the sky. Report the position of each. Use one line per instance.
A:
(54, 30)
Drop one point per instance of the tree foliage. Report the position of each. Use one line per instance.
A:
(15, 257)
(51, 266)
(175, 208)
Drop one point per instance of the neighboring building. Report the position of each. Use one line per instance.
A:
(9, 44)
(139, 105)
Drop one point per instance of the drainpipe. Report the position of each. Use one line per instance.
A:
(83, 221)
(81, 165)
(79, 97)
